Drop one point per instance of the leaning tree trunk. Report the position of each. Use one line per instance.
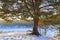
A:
(35, 26)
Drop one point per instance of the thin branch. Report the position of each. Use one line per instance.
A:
(33, 3)
(27, 7)
(37, 10)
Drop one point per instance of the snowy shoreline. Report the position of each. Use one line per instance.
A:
(22, 36)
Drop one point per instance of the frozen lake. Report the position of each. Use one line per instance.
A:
(15, 27)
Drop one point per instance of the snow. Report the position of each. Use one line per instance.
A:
(21, 33)
(50, 31)
(19, 16)
(42, 5)
(29, 18)
(50, 7)
(22, 36)
(19, 1)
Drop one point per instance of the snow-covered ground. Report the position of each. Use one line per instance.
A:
(50, 31)
(22, 36)
(21, 33)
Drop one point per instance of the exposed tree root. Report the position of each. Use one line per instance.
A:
(37, 34)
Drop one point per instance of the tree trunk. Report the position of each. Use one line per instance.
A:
(35, 27)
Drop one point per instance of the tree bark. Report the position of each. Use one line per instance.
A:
(35, 27)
